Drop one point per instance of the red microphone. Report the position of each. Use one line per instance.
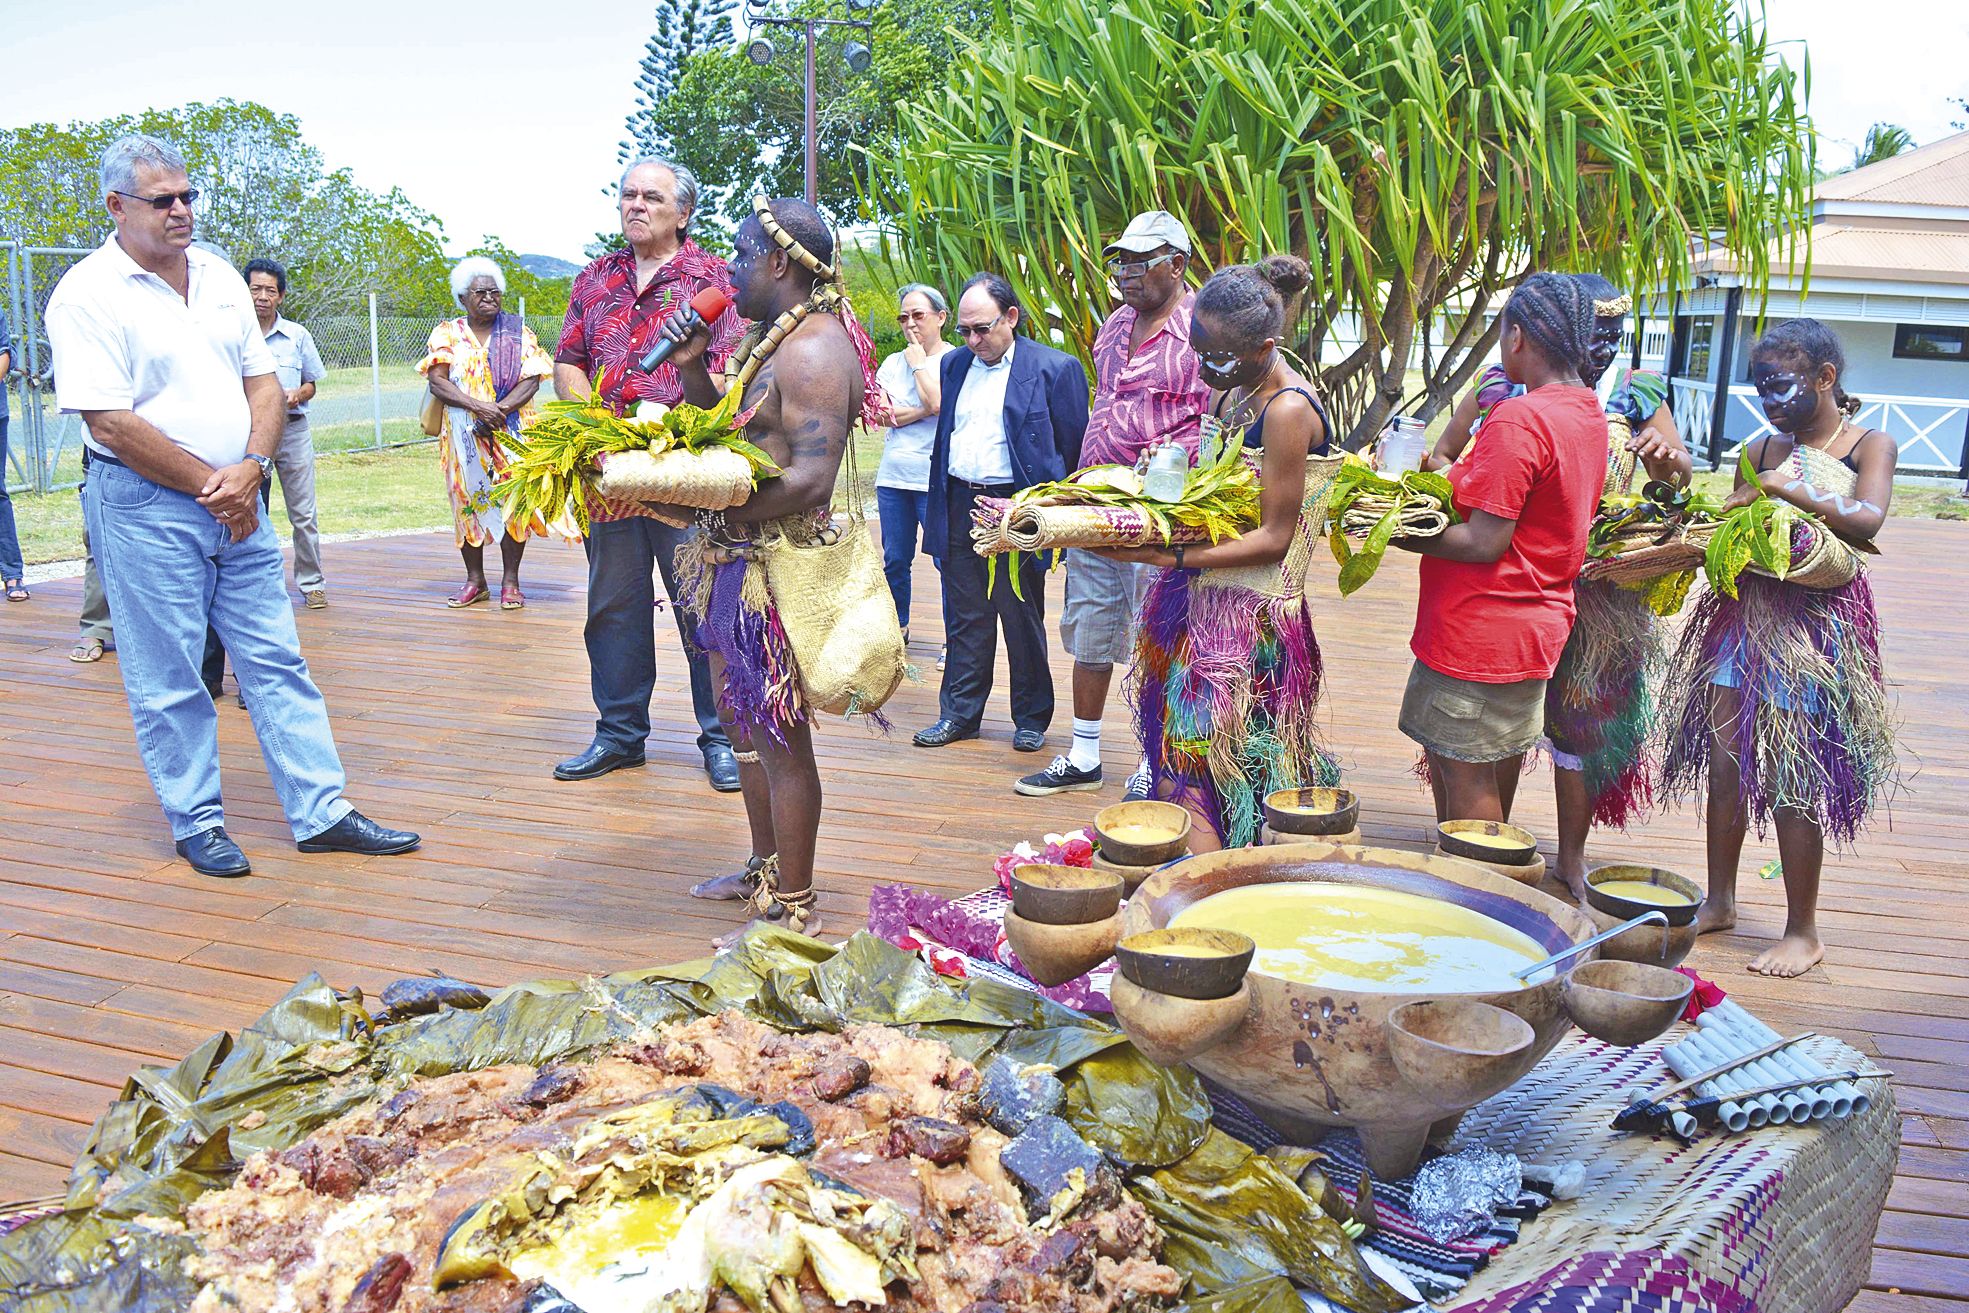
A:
(705, 308)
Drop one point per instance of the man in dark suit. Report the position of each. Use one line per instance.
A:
(1013, 414)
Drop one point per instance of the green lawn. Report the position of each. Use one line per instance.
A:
(399, 489)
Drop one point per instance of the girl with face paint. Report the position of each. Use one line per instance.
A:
(1227, 670)
(1779, 707)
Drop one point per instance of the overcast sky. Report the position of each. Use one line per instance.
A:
(510, 125)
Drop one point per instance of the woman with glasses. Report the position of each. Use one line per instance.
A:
(1778, 698)
(1227, 669)
(902, 483)
(485, 366)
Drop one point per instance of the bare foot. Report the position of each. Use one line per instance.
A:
(1793, 955)
(1574, 880)
(732, 888)
(1715, 916)
(811, 928)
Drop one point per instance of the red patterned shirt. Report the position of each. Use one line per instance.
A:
(1140, 401)
(610, 325)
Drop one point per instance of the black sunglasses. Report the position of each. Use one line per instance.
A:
(164, 202)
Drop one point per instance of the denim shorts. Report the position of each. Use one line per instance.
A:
(1465, 720)
(1104, 599)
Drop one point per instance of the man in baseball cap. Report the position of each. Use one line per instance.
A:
(1147, 391)
(1150, 231)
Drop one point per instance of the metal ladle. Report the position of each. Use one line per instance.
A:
(1656, 917)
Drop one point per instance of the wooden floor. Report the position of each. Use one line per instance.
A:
(114, 954)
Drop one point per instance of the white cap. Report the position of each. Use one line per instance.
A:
(1149, 230)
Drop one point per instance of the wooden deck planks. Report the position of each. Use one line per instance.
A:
(113, 954)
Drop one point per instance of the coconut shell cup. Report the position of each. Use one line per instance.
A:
(1064, 895)
(1055, 954)
(1213, 968)
(1326, 814)
(1524, 852)
(1625, 909)
(1625, 1002)
(1158, 815)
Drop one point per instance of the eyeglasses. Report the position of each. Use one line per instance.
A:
(912, 316)
(483, 291)
(980, 330)
(164, 202)
(1135, 269)
(1779, 388)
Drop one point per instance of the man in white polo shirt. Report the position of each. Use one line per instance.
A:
(157, 348)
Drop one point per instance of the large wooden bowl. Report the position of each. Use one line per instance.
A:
(1309, 1058)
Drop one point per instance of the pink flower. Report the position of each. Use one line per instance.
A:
(1022, 852)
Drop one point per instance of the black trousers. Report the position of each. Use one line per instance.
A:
(972, 620)
(621, 632)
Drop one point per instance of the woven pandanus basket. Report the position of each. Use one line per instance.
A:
(715, 479)
(1829, 561)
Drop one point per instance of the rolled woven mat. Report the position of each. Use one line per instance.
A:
(997, 525)
(714, 480)
(1647, 561)
(1421, 517)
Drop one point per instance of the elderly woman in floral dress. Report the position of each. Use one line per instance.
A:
(485, 367)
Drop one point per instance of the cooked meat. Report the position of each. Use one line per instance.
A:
(942, 1142)
(838, 1077)
(352, 1219)
(381, 1286)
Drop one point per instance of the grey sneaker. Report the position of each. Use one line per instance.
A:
(1062, 776)
(316, 599)
(1137, 787)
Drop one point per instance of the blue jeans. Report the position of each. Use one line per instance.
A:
(621, 632)
(169, 569)
(902, 512)
(10, 543)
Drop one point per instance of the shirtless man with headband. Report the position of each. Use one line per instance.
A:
(808, 374)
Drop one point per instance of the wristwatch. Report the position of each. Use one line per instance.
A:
(265, 463)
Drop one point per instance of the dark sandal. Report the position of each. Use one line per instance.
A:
(510, 597)
(16, 590)
(469, 595)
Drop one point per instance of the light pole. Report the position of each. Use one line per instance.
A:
(857, 56)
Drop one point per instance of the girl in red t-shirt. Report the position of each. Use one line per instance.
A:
(1496, 600)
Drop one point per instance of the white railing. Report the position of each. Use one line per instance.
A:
(1930, 431)
(1691, 404)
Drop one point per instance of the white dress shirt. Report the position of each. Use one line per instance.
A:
(124, 340)
(978, 450)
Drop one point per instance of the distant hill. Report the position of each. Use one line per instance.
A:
(547, 266)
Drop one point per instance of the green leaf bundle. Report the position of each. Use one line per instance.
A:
(1378, 509)
(552, 456)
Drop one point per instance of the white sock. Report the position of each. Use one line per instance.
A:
(1086, 751)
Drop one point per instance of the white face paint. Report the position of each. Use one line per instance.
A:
(1844, 505)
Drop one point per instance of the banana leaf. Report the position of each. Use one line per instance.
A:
(1235, 1222)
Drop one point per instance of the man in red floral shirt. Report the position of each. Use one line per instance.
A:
(614, 315)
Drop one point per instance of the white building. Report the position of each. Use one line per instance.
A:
(1888, 272)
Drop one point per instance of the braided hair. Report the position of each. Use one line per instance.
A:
(1250, 300)
(1808, 346)
(1555, 312)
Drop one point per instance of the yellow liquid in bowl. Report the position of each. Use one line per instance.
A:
(1486, 840)
(1642, 891)
(1356, 937)
(1139, 834)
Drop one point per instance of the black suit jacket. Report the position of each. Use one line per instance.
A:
(1045, 420)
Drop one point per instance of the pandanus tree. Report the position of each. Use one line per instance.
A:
(1422, 155)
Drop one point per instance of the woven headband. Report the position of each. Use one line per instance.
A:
(1619, 305)
(762, 209)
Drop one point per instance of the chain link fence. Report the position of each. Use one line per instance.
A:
(369, 398)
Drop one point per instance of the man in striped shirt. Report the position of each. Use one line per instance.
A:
(1147, 391)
